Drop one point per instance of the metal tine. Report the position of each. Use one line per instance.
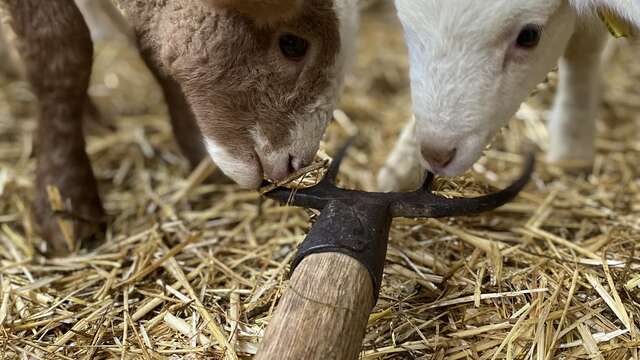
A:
(332, 173)
(419, 204)
(432, 206)
(428, 181)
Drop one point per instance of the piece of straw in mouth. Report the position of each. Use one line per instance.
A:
(296, 180)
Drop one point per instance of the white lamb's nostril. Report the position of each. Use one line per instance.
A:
(438, 158)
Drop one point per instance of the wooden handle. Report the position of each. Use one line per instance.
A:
(323, 313)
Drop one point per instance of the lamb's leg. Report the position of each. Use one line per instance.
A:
(183, 122)
(403, 171)
(5, 61)
(105, 20)
(106, 23)
(7, 66)
(56, 48)
(185, 129)
(572, 124)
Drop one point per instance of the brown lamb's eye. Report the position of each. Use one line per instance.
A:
(293, 47)
(529, 36)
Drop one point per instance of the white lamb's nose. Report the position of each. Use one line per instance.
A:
(438, 157)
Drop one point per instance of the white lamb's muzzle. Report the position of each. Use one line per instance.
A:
(467, 151)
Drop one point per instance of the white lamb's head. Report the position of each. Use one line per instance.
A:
(473, 62)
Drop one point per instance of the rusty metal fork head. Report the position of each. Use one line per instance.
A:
(357, 223)
(421, 203)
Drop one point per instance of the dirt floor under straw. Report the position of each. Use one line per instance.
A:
(555, 274)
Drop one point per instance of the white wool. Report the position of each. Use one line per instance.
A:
(468, 77)
(625, 9)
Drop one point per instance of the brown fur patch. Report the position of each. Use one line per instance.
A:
(265, 12)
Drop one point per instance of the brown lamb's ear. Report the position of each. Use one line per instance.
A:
(263, 12)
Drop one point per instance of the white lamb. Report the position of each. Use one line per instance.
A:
(473, 62)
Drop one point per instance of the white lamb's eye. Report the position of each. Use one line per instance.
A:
(529, 36)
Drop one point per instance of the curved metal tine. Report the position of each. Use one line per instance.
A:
(427, 185)
(307, 198)
(312, 197)
(334, 168)
(279, 194)
(435, 206)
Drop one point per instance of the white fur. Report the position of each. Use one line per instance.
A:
(626, 9)
(246, 173)
(572, 125)
(468, 78)
(402, 170)
(348, 18)
(104, 20)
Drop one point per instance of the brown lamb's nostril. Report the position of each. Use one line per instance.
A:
(295, 163)
(438, 158)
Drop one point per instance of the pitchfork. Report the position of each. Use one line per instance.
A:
(337, 272)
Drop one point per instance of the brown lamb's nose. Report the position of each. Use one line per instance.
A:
(438, 158)
(295, 163)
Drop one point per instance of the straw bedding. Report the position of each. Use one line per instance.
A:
(188, 265)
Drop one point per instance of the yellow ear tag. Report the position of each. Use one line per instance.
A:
(618, 27)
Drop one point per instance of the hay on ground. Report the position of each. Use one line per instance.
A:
(187, 265)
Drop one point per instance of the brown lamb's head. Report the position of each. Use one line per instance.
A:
(262, 77)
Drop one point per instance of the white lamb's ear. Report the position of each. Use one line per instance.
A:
(263, 12)
(622, 17)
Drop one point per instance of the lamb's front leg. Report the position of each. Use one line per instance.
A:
(56, 47)
(403, 171)
(572, 124)
(105, 20)
(183, 122)
(7, 66)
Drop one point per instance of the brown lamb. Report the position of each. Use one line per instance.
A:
(252, 83)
